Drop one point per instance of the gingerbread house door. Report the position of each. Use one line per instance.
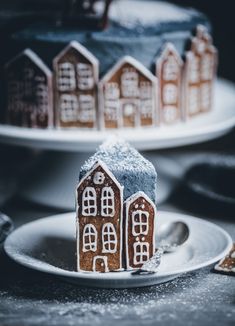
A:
(140, 215)
(100, 264)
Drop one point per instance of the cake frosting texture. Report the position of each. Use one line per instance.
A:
(129, 167)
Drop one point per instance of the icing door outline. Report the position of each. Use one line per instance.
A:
(100, 264)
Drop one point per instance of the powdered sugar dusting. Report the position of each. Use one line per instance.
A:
(118, 155)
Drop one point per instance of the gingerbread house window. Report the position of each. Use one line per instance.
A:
(140, 222)
(68, 107)
(194, 71)
(111, 110)
(171, 69)
(170, 113)
(141, 252)
(89, 238)
(107, 202)
(89, 207)
(85, 76)
(145, 90)
(15, 89)
(86, 103)
(109, 238)
(205, 95)
(42, 97)
(112, 91)
(207, 67)
(170, 94)
(146, 108)
(129, 83)
(194, 93)
(66, 80)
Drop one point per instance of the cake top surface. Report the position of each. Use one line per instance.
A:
(120, 157)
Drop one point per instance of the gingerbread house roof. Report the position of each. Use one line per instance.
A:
(129, 167)
(166, 50)
(132, 61)
(32, 56)
(80, 49)
(105, 168)
(135, 196)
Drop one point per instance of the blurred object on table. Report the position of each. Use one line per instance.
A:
(6, 226)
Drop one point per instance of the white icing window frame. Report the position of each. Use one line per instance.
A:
(89, 231)
(66, 77)
(108, 230)
(107, 195)
(69, 107)
(89, 209)
(170, 69)
(140, 223)
(85, 76)
(138, 255)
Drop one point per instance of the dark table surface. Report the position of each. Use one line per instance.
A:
(198, 298)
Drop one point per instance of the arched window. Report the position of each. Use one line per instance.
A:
(141, 252)
(89, 206)
(89, 238)
(109, 238)
(140, 223)
(107, 202)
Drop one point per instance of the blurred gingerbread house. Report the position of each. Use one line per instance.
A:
(127, 96)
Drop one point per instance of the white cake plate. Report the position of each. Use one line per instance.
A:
(202, 128)
(48, 245)
(52, 183)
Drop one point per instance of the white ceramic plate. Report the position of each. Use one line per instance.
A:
(48, 245)
(202, 128)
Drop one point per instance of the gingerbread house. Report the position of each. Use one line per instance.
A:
(29, 91)
(128, 96)
(76, 73)
(200, 71)
(169, 72)
(112, 235)
(99, 211)
(140, 213)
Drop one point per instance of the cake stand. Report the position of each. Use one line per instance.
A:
(53, 180)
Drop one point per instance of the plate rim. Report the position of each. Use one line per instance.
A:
(113, 276)
(86, 140)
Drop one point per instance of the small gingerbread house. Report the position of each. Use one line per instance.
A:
(200, 71)
(139, 216)
(169, 72)
(116, 172)
(76, 73)
(29, 91)
(128, 96)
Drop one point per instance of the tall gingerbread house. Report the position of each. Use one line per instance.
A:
(199, 75)
(29, 91)
(76, 73)
(128, 96)
(169, 72)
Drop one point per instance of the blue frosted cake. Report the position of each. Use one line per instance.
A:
(153, 64)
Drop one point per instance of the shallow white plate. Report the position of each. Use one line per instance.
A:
(48, 245)
(201, 128)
